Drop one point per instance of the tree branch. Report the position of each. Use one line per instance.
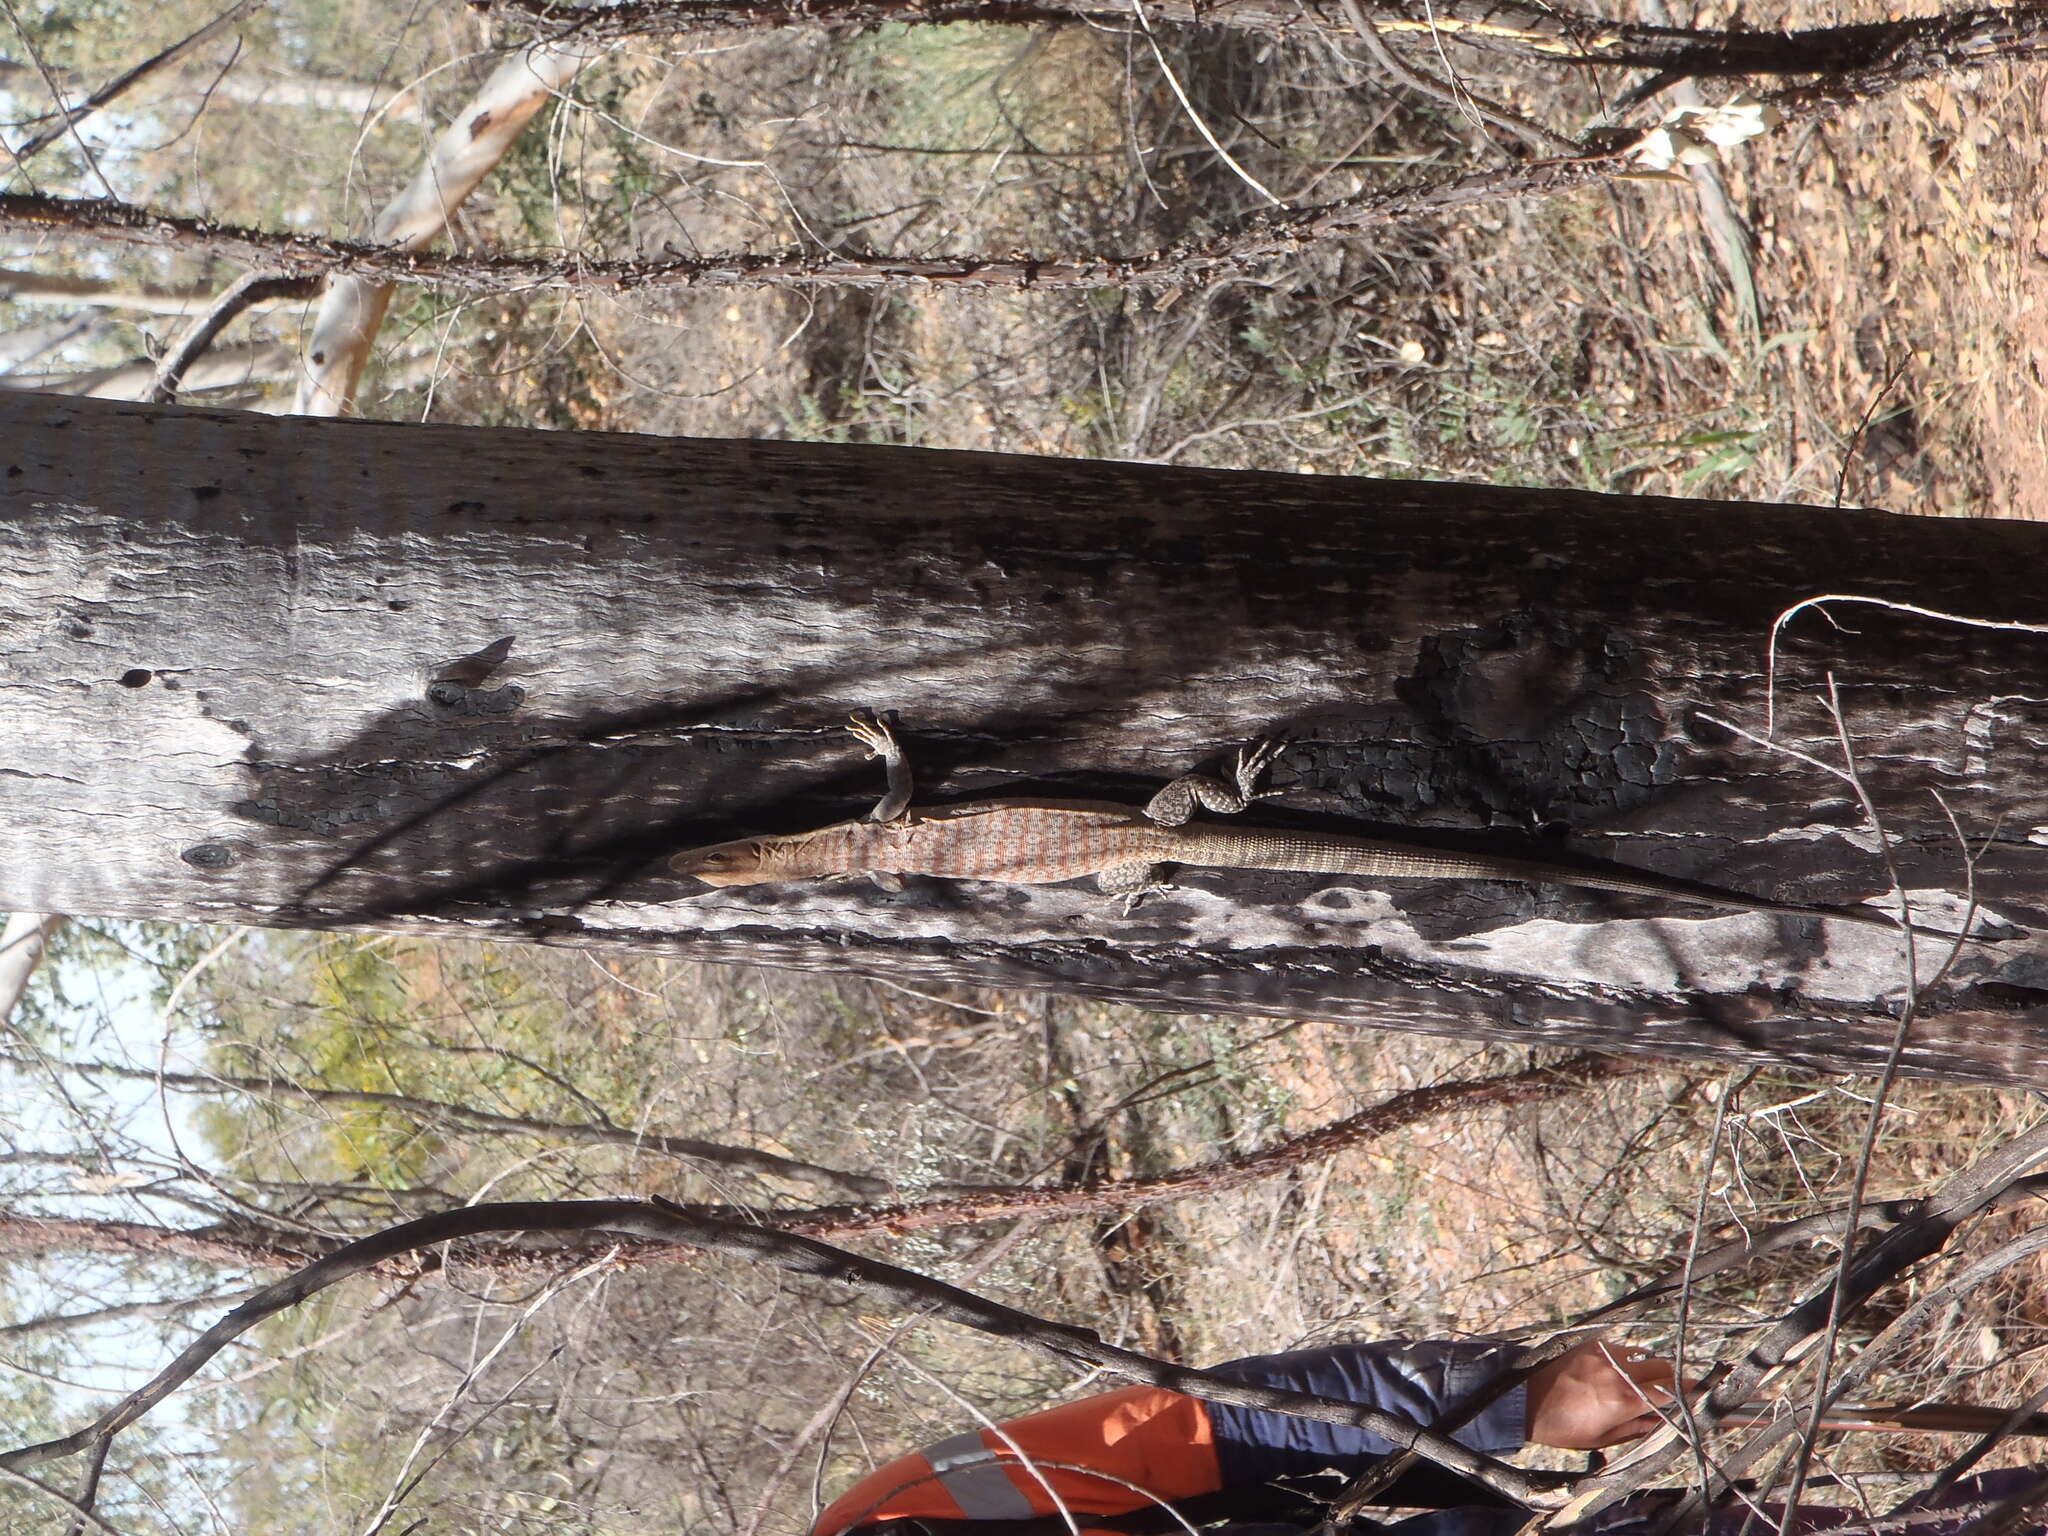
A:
(1513, 27)
(69, 117)
(664, 1223)
(1251, 240)
(22, 942)
(461, 156)
(751, 1158)
(1921, 1235)
(246, 291)
(1968, 41)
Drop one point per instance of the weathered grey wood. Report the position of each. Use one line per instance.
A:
(232, 692)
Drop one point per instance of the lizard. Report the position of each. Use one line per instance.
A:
(1024, 840)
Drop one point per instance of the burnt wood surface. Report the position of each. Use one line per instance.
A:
(481, 682)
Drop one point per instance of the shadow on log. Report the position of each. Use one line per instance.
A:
(481, 682)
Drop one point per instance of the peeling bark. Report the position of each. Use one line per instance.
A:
(248, 673)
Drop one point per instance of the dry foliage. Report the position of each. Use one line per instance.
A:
(600, 1395)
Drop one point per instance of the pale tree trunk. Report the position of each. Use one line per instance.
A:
(32, 341)
(353, 308)
(240, 681)
(22, 943)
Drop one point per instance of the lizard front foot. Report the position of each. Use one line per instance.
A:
(873, 732)
(1175, 805)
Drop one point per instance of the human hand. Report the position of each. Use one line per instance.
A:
(1597, 1394)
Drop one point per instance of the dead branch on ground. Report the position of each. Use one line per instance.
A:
(1249, 241)
(1513, 27)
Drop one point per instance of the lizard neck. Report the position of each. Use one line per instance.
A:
(834, 850)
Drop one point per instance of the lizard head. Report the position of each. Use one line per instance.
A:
(742, 862)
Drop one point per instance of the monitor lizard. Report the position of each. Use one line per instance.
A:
(1024, 840)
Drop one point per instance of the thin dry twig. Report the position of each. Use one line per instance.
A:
(1824, 1392)
(247, 291)
(1452, 94)
(69, 117)
(752, 1159)
(1822, 601)
(1253, 239)
(1920, 1236)
(1520, 28)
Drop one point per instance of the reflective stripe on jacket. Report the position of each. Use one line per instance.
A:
(1177, 1447)
(1099, 1456)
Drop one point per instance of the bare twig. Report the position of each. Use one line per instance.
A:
(1451, 94)
(1522, 28)
(1839, 1302)
(248, 290)
(1251, 240)
(750, 1158)
(1879, 1262)
(1823, 601)
(70, 116)
(1254, 239)
(79, 1508)
(821, 1423)
(1188, 108)
(1900, 1332)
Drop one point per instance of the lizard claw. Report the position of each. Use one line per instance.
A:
(1252, 763)
(872, 732)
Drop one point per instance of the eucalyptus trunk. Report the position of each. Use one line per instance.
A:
(481, 683)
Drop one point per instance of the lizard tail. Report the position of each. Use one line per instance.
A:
(1374, 858)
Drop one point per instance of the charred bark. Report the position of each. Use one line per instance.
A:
(481, 682)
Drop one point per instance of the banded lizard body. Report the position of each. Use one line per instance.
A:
(1027, 841)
